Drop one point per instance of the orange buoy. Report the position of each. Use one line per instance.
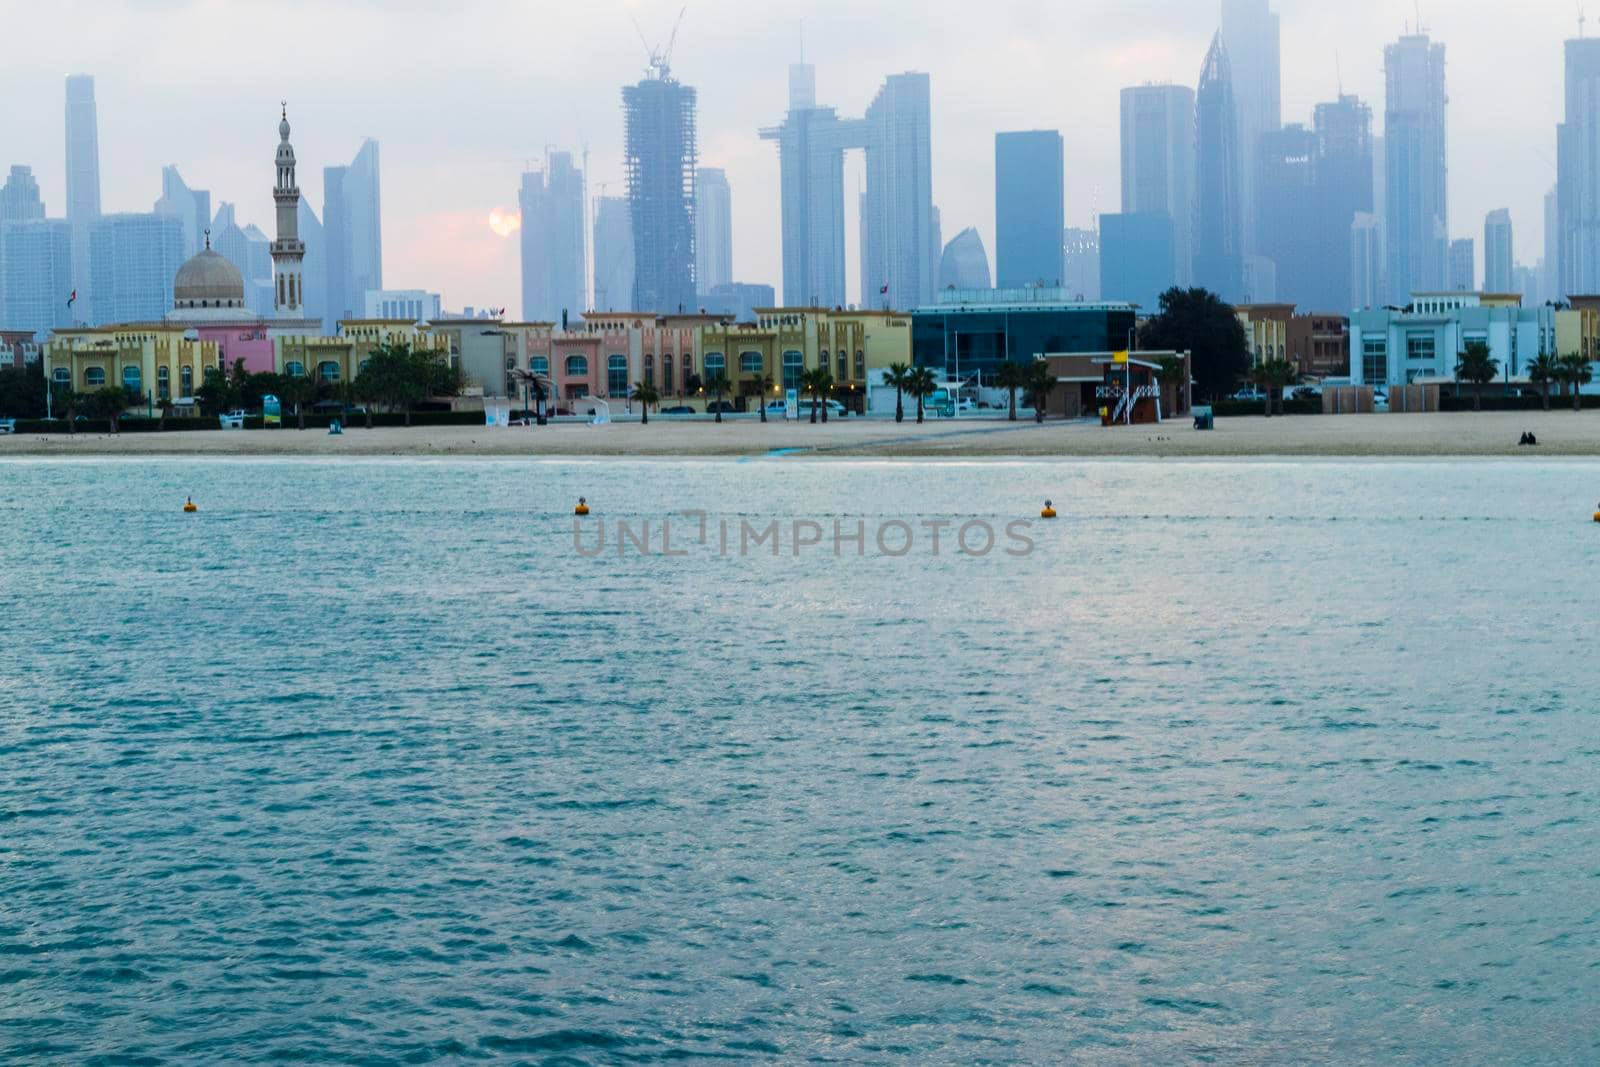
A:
(582, 508)
(189, 505)
(1049, 511)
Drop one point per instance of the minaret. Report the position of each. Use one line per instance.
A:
(288, 251)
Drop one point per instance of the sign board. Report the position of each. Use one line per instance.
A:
(271, 411)
(791, 403)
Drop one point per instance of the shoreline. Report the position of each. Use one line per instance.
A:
(1562, 434)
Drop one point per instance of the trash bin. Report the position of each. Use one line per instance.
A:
(1203, 419)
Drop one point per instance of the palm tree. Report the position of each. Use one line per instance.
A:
(764, 387)
(1272, 375)
(1011, 376)
(165, 407)
(718, 384)
(899, 376)
(1575, 369)
(109, 402)
(822, 385)
(921, 385)
(1541, 372)
(1479, 368)
(646, 394)
(1040, 384)
(1170, 369)
(302, 389)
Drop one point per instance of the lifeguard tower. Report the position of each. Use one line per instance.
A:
(1130, 390)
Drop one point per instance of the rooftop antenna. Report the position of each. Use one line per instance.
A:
(1583, 20)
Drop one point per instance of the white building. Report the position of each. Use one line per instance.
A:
(413, 305)
(1424, 342)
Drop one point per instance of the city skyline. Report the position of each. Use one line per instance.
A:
(439, 138)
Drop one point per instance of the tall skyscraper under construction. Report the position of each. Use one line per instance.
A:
(660, 156)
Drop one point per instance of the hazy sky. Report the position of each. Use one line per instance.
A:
(462, 94)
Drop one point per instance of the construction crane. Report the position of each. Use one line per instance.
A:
(660, 59)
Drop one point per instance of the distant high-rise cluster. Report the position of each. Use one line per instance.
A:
(1418, 225)
(660, 152)
(554, 262)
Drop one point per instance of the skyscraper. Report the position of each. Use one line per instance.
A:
(288, 252)
(1578, 172)
(1029, 208)
(554, 260)
(613, 254)
(83, 176)
(1418, 225)
(1366, 262)
(1343, 191)
(965, 263)
(191, 207)
(1550, 265)
(899, 214)
(132, 261)
(19, 197)
(1158, 132)
(660, 156)
(1136, 258)
(1497, 255)
(35, 272)
(1286, 233)
(1463, 274)
(1218, 227)
(352, 221)
(811, 146)
(713, 230)
(1250, 32)
(249, 250)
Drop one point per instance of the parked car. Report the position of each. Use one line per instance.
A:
(777, 407)
(1380, 401)
(1248, 394)
(724, 406)
(678, 409)
(1307, 392)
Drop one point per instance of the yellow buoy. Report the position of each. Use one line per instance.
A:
(189, 505)
(582, 508)
(1049, 511)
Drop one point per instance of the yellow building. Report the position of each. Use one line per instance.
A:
(1266, 330)
(152, 360)
(340, 358)
(1578, 328)
(771, 354)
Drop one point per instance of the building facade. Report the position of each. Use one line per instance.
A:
(660, 154)
(713, 229)
(1425, 342)
(965, 263)
(1250, 32)
(1136, 258)
(1577, 248)
(969, 333)
(1029, 208)
(613, 253)
(1218, 222)
(35, 272)
(1158, 164)
(1266, 330)
(1418, 224)
(1319, 345)
(132, 261)
(83, 180)
(352, 235)
(554, 259)
(1498, 259)
(1080, 263)
(1344, 171)
(1462, 276)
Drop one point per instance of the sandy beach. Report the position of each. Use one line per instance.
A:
(1560, 433)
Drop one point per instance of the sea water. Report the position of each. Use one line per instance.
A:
(372, 762)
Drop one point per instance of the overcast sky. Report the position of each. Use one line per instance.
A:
(461, 94)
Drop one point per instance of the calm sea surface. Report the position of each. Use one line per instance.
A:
(363, 763)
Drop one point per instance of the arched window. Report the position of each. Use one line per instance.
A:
(294, 369)
(511, 363)
(164, 382)
(94, 377)
(794, 364)
(666, 374)
(650, 371)
(716, 364)
(616, 375)
(132, 378)
(751, 363)
(688, 368)
(62, 376)
(844, 365)
(861, 365)
(186, 380)
(539, 364)
(577, 365)
(328, 370)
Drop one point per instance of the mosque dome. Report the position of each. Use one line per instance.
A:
(208, 281)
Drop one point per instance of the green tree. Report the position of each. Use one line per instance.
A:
(645, 394)
(23, 392)
(899, 376)
(1576, 371)
(1011, 376)
(1198, 322)
(1479, 368)
(1040, 383)
(1544, 370)
(921, 384)
(819, 383)
(216, 393)
(399, 376)
(1273, 375)
(68, 399)
(164, 405)
(109, 402)
(300, 390)
(718, 384)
